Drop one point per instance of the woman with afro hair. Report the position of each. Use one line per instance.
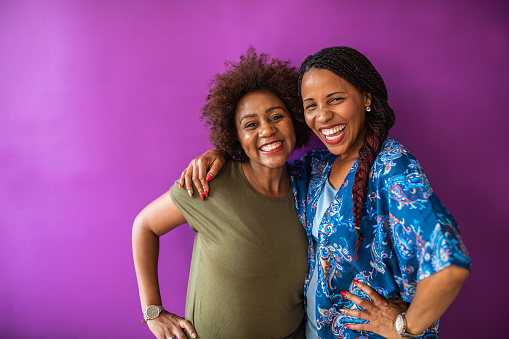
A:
(385, 256)
(249, 257)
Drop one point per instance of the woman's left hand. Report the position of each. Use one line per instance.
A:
(380, 313)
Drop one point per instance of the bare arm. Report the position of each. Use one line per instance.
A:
(158, 218)
(433, 296)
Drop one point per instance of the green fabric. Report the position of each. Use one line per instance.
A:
(249, 260)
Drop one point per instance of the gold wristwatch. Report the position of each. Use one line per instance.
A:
(152, 312)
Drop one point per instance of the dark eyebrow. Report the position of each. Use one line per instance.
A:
(274, 108)
(335, 93)
(329, 95)
(247, 116)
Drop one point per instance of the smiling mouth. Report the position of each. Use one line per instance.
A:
(333, 133)
(271, 146)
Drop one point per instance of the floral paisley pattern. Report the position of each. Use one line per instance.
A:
(409, 235)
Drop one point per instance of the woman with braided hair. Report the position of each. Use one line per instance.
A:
(385, 257)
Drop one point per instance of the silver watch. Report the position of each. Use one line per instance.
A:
(400, 325)
(152, 312)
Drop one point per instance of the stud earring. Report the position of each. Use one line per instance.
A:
(368, 109)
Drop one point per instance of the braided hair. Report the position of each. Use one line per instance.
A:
(354, 67)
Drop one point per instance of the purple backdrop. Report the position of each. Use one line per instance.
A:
(99, 107)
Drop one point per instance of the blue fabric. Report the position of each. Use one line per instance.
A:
(326, 197)
(409, 235)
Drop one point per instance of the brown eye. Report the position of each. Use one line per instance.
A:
(309, 107)
(276, 117)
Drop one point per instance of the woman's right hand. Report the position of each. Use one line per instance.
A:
(201, 170)
(168, 325)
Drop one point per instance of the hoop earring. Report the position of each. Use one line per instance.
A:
(368, 109)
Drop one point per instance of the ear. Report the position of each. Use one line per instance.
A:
(367, 99)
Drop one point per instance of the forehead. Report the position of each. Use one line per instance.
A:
(317, 79)
(257, 102)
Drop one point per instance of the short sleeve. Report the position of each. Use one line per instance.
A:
(186, 205)
(426, 237)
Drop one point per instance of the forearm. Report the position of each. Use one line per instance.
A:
(433, 296)
(145, 254)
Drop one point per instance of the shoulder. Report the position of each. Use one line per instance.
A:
(393, 160)
(397, 175)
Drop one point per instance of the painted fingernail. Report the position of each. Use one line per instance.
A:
(356, 282)
(201, 196)
(206, 193)
(343, 293)
(180, 185)
(347, 325)
(209, 177)
(190, 194)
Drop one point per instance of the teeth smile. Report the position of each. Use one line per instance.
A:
(270, 147)
(332, 131)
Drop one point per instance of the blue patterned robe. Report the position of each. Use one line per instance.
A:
(409, 235)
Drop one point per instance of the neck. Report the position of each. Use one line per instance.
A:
(353, 152)
(344, 163)
(273, 182)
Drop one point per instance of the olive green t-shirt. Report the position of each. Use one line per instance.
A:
(249, 260)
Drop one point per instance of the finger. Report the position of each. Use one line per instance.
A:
(355, 313)
(196, 180)
(359, 327)
(371, 292)
(189, 328)
(168, 335)
(202, 177)
(357, 300)
(215, 167)
(182, 178)
(179, 333)
(189, 180)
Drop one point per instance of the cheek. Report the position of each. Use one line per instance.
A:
(309, 120)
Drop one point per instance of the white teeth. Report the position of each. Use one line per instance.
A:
(334, 137)
(270, 147)
(333, 130)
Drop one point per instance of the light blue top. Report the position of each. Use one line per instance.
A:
(326, 197)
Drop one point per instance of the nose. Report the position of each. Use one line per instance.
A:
(322, 114)
(266, 129)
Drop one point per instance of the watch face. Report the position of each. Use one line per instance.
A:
(399, 324)
(152, 312)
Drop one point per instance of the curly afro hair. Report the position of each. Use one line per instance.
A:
(254, 73)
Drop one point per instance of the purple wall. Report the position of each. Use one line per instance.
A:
(99, 106)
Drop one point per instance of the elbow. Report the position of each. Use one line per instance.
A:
(140, 224)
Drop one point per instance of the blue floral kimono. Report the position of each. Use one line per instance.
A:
(409, 235)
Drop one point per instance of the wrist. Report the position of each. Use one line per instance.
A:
(402, 328)
(152, 312)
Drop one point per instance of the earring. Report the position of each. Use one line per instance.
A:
(368, 109)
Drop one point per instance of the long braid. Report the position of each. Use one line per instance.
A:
(358, 70)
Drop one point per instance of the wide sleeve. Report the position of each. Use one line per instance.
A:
(425, 235)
